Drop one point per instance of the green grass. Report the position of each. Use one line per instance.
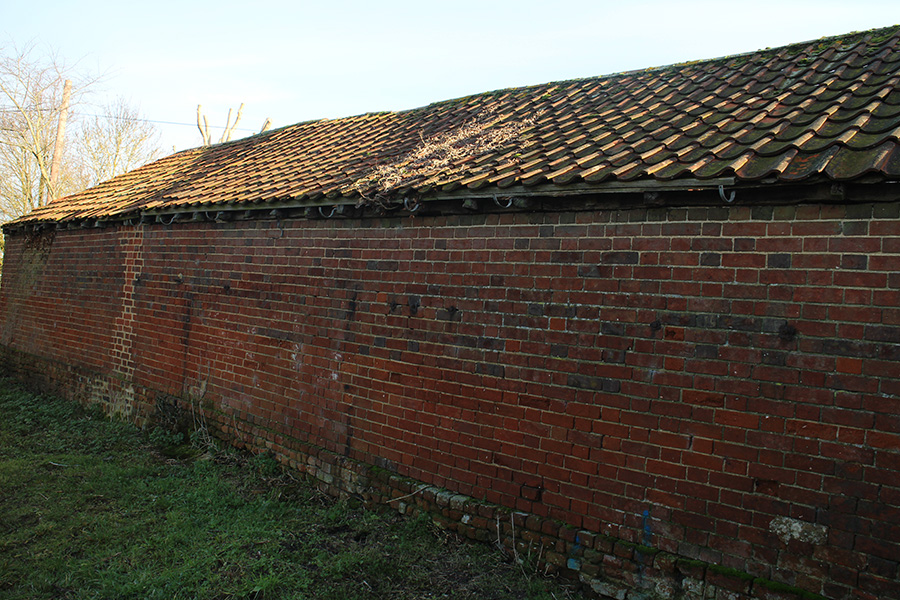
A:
(93, 508)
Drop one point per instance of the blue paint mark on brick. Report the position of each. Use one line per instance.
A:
(645, 522)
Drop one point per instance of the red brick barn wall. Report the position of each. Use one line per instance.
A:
(719, 384)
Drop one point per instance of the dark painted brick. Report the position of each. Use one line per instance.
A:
(744, 244)
(855, 227)
(886, 211)
(779, 261)
(854, 261)
(608, 328)
(467, 341)
(762, 213)
(614, 356)
(769, 357)
(859, 211)
(490, 369)
(561, 310)
(710, 259)
(595, 383)
(449, 314)
(383, 265)
(706, 351)
(559, 350)
(878, 333)
(566, 257)
(620, 258)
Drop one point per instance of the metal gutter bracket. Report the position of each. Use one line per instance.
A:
(730, 197)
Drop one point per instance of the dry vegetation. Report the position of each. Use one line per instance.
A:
(443, 153)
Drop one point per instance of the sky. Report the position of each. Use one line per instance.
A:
(294, 61)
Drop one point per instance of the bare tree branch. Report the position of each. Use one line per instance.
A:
(226, 135)
(203, 126)
(229, 126)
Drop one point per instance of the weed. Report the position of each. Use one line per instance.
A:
(163, 438)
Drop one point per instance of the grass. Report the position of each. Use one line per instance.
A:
(93, 508)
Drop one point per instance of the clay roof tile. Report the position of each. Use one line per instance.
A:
(828, 108)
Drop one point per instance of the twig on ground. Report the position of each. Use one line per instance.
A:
(411, 494)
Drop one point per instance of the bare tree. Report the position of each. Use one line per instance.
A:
(31, 92)
(94, 149)
(116, 141)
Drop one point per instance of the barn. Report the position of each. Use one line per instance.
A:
(645, 326)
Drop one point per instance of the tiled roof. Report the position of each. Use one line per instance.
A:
(822, 110)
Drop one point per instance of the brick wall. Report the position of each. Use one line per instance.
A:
(713, 392)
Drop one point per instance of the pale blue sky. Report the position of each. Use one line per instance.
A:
(298, 60)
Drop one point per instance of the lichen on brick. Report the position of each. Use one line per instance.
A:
(788, 529)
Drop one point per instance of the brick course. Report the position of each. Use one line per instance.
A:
(662, 381)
